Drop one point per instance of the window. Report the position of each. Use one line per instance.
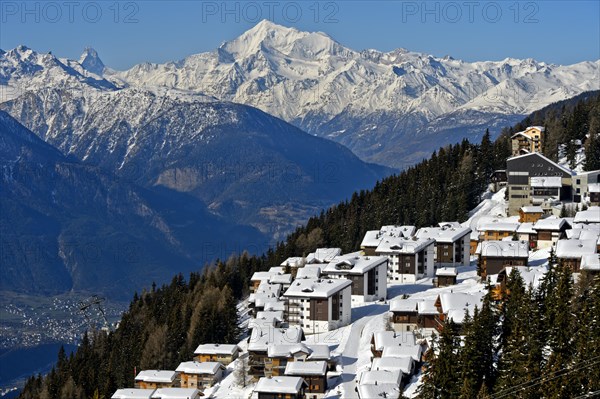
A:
(578, 181)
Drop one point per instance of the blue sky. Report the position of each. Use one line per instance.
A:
(128, 32)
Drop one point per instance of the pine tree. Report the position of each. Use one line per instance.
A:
(592, 151)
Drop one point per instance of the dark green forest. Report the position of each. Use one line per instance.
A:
(538, 332)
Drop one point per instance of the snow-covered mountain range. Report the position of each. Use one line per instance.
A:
(388, 107)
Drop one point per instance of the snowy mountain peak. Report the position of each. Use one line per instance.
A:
(91, 62)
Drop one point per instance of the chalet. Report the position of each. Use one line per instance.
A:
(322, 256)
(495, 229)
(200, 375)
(526, 232)
(415, 352)
(404, 364)
(267, 319)
(591, 215)
(176, 393)
(591, 263)
(283, 387)
(530, 275)
(280, 354)
(221, 353)
(496, 255)
(445, 276)
(373, 238)
(260, 340)
(313, 372)
(383, 339)
(257, 278)
(528, 141)
(428, 316)
(498, 180)
(405, 314)
(133, 393)
(550, 230)
(530, 214)
(534, 179)
(586, 186)
(153, 379)
(570, 252)
(453, 305)
(381, 390)
(319, 305)
(451, 243)
(368, 275)
(409, 258)
(292, 264)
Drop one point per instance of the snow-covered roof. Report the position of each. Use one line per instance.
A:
(449, 224)
(323, 255)
(400, 245)
(572, 249)
(316, 287)
(266, 288)
(530, 275)
(380, 377)
(261, 299)
(132, 393)
(404, 364)
(309, 271)
(454, 304)
(318, 367)
(537, 154)
(414, 351)
(551, 223)
(443, 234)
(427, 307)
(260, 339)
(194, 367)
(274, 306)
(545, 181)
(383, 390)
(277, 270)
(446, 271)
(281, 279)
(319, 352)
(594, 187)
(157, 376)
(591, 215)
(503, 249)
(590, 262)
(526, 228)
(498, 224)
(261, 276)
(384, 339)
(281, 384)
(532, 209)
(216, 349)
(176, 393)
(287, 350)
(372, 238)
(270, 314)
(352, 264)
(403, 305)
(295, 261)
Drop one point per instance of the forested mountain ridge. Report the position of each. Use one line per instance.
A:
(159, 329)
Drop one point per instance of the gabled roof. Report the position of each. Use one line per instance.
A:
(216, 349)
(414, 351)
(295, 261)
(323, 255)
(427, 307)
(281, 384)
(530, 275)
(400, 245)
(318, 367)
(157, 376)
(383, 390)
(550, 223)
(454, 304)
(380, 377)
(309, 271)
(316, 287)
(133, 393)
(498, 224)
(575, 249)
(591, 215)
(194, 367)
(287, 350)
(176, 393)
(537, 154)
(443, 234)
(504, 249)
(260, 339)
(446, 271)
(408, 305)
(353, 264)
(532, 209)
(383, 339)
(404, 364)
(590, 262)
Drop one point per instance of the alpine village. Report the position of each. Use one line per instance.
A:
(473, 274)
